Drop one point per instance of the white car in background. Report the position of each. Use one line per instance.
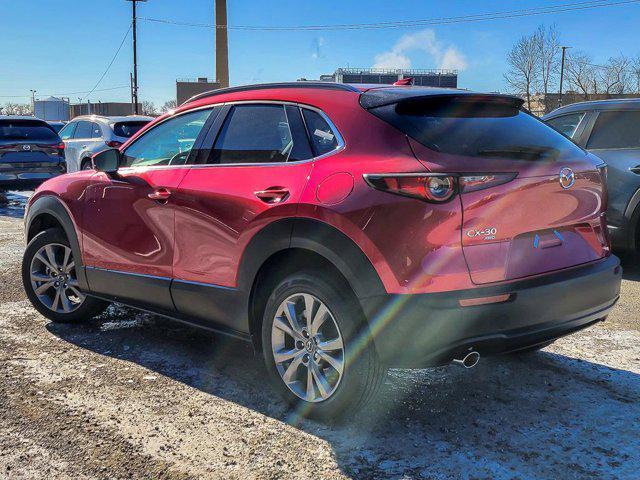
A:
(87, 135)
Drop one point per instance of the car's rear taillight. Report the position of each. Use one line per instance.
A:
(480, 181)
(431, 187)
(113, 143)
(60, 146)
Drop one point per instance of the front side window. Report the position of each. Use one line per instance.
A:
(254, 134)
(323, 139)
(169, 143)
(616, 130)
(67, 132)
(566, 124)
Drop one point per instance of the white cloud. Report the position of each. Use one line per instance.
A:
(424, 41)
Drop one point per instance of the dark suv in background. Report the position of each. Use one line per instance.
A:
(30, 152)
(610, 129)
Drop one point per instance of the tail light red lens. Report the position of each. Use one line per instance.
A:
(113, 144)
(60, 146)
(435, 187)
(471, 183)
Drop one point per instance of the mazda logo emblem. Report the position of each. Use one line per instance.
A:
(26, 147)
(567, 178)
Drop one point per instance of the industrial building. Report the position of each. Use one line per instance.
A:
(187, 88)
(52, 109)
(107, 109)
(427, 78)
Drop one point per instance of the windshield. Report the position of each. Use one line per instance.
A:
(477, 128)
(28, 130)
(128, 129)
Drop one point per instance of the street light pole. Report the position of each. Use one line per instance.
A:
(134, 88)
(564, 50)
(33, 102)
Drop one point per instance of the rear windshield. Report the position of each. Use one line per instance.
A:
(128, 129)
(30, 130)
(464, 126)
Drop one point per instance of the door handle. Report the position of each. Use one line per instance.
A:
(273, 194)
(161, 195)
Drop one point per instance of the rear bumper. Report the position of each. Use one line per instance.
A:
(433, 329)
(26, 178)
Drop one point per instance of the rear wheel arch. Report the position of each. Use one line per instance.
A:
(302, 244)
(49, 212)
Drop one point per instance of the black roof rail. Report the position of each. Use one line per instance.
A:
(264, 86)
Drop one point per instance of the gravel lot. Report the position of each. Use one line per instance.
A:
(129, 395)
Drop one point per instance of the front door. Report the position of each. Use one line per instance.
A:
(129, 233)
(254, 169)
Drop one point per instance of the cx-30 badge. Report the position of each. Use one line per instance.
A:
(488, 233)
(567, 178)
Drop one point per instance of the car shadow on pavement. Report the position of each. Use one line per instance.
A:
(540, 415)
(12, 204)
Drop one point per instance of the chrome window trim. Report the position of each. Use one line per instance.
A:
(341, 143)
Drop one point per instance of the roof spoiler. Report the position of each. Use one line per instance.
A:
(380, 97)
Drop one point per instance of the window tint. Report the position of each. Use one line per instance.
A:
(567, 124)
(301, 149)
(477, 128)
(254, 134)
(323, 139)
(169, 143)
(96, 132)
(83, 130)
(616, 130)
(30, 130)
(67, 132)
(128, 129)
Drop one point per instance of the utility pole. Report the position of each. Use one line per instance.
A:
(33, 102)
(564, 50)
(222, 44)
(134, 88)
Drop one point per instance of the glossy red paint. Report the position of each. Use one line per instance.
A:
(200, 233)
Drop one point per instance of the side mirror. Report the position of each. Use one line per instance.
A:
(107, 161)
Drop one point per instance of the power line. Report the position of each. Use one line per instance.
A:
(110, 63)
(560, 8)
(69, 93)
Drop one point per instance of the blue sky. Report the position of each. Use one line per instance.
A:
(63, 46)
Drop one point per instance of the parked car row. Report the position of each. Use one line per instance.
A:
(340, 229)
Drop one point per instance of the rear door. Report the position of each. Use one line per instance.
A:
(532, 201)
(250, 172)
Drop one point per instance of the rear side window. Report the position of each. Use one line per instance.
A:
(127, 129)
(96, 131)
(616, 130)
(566, 124)
(477, 128)
(254, 134)
(323, 138)
(29, 130)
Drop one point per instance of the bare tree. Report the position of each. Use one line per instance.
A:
(581, 73)
(168, 105)
(615, 75)
(148, 108)
(11, 108)
(548, 47)
(635, 73)
(523, 60)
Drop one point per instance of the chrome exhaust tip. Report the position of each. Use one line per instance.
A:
(470, 360)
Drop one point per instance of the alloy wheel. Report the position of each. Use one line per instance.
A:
(53, 278)
(308, 348)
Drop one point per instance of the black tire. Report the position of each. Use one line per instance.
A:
(533, 348)
(89, 307)
(362, 373)
(86, 165)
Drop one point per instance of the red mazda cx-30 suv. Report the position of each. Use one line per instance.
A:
(341, 229)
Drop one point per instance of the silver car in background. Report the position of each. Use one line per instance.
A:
(610, 129)
(87, 135)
